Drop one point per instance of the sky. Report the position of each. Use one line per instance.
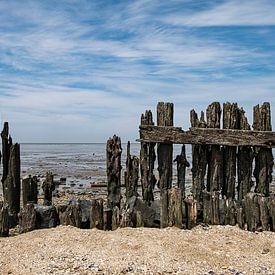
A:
(81, 71)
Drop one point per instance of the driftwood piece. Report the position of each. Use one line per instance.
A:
(263, 157)
(48, 187)
(96, 214)
(244, 161)
(230, 121)
(131, 174)
(199, 136)
(12, 182)
(175, 207)
(27, 218)
(190, 212)
(147, 161)
(6, 144)
(4, 220)
(214, 153)
(113, 151)
(29, 190)
(182, 163)
(199, 162)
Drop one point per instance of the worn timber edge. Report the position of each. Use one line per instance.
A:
(229, 137)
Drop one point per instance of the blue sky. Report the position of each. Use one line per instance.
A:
(81, 71)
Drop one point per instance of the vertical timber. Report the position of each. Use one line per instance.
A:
(263, 156)
(165, 113)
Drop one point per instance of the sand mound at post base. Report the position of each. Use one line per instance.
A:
(69, 250)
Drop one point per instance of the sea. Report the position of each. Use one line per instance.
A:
(82, 164)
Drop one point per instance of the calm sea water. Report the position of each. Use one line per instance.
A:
(85, 162)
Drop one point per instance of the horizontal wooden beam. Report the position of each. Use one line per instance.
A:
(229, 137)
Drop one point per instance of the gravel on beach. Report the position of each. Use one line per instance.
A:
(202, 250)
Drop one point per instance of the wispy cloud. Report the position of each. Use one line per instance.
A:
(229, 13)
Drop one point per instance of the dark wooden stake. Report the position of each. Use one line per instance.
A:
(147, 162)
(244, 161)
(4, 220)
(190, 212)
(199, 162)
(29, 190)
(230, 121)
(6, 144)
(182, 163)
(131, 174)
(113, 151)
(12, 182)
(73, 215)
(48, 187)
(214, 154)
(211, 207)
(263, 156)
(252, 211)
(175, 207)
(27, 218)
(96, 214)
(165, 113)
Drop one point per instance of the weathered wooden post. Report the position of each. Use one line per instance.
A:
(48, 187)
(215, 156)
(252, 211)
(165, 112)
(199, 162)
(263, 156)
(4, 220)
(191, 212)
(147, 162)
(113, 151)
(12, 182)
(244, 161)
(96, 214)
(6, 144)
(182, 163)
(27, 218)
(175, 200)
(131, 174)
(211, 207)
(29, 190)
(230, 121)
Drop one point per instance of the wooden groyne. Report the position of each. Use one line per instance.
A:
(232, 169)
(222, 165)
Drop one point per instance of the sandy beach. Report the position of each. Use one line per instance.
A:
(202, 250)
